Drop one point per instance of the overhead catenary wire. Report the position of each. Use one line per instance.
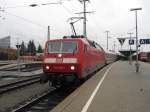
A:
(14, 7)
(68, 10)
(31, 21)
(31, 5)
(125, 33)
(26, 20)
(97, 25)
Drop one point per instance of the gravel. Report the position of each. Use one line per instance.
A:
(13, 98)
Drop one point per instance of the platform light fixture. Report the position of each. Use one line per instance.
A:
(53, 3)
(107, 35)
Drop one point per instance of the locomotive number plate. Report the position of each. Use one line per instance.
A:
(59, 60)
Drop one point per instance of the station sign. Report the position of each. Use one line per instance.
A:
(144, 41)
(121, 40)
(131, 42)
(141, 41)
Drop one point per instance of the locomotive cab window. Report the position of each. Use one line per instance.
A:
(54, 47)
(69, 47)
(62, 47)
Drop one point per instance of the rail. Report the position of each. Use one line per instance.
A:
(18, 84)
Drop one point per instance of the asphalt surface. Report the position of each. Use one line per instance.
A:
(122, 90)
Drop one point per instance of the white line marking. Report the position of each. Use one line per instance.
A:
(88, 103)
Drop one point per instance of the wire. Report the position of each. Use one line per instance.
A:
(27, 20)
(131, 29)
(33, 5)
(68, 10)
(127, 32)
(14, 7)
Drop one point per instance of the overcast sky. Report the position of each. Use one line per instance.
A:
(25, 23)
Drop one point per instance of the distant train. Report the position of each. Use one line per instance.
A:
(110, 57)
(70, 60)
(144, 56)
(38, 57)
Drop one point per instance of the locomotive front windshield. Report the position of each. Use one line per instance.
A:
(62, 47)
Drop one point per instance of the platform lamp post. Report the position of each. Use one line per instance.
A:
(18, 54)
(136, 64)
(48, 33)
(130, 57)
(107, 36)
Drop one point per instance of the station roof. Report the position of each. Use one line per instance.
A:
(127, 52)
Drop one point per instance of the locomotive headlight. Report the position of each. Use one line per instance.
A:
(47, 67)
(72, 67)
(59, 55)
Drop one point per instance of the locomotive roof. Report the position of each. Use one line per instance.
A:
(81, 38)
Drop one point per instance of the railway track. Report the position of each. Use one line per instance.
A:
(30, 69)
(2, 64)
(45, 102)
(18, 84)
(23, 69)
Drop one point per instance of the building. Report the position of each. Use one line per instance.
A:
(5, 42)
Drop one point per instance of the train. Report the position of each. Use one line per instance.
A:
(72, 59)
(144, 56)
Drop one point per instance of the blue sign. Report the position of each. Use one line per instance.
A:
(147, 41)
(144, 41)
(141, 41)
(131, 42)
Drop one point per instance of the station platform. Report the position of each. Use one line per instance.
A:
(115, 88)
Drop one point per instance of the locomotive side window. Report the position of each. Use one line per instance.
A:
(62, 47)
(98, 47)
(85, 48)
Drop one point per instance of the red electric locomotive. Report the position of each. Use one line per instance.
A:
(71, 59)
